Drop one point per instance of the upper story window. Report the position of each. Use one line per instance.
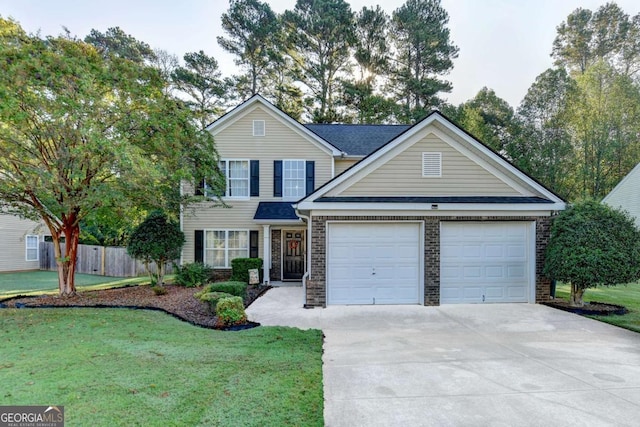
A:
(432, 165)
(259, 128)
(293, 179)
(31, 243)
(236, 173)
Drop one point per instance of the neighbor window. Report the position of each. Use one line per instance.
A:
(293, 179)
(32, 248)
(432, 165)
(236, 173)
(223, 246)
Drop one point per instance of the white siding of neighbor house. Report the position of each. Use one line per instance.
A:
(236, 141)
(13, 233)
(626, 194)
(342, 165)
(402, 175)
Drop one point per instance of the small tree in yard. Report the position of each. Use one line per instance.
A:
(593, 245)
(157, 240)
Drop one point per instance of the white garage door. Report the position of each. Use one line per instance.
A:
(373, 263)
(485, 262)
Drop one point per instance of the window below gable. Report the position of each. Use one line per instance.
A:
(259, 128)
(431, 165)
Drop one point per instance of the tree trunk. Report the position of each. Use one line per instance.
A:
(575, 300)
(66, 263)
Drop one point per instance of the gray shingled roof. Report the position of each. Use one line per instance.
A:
(275, 210)
(357, 140)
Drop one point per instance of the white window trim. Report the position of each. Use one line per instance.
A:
(226, 179)
(259, 125)
(304, 180)
(227, 263)
(429, 159)
(26, 248)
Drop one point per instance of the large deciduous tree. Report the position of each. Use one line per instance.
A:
(591, 245)
(544, 147)
(322, 35)
(424, 54)
(81, 129)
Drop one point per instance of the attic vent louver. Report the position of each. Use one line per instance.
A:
(432, 165)
(258, 128)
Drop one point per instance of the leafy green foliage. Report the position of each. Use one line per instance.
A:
(157, 240)
(192, 274)
(82, 130)
(159, 290)
(118, 43)
(240, 268)
(253, 33)
(591, 245)
(230, 311)
(212, 298)
(201, 80)
(322, 34)
(424, 51)
(238, 289)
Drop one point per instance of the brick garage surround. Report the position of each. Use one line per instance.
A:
(316, 284)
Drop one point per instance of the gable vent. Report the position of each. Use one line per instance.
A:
(432, 165)
(258, 128)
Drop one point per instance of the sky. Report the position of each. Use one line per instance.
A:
(504, 44)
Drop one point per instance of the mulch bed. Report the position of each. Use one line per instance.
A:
(178, 301)
(590, 308)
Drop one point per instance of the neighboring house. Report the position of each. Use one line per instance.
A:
(20, 243)
(367, 214)
(626, 194)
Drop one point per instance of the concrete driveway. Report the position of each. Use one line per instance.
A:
(466, 365)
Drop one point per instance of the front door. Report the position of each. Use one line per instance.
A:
(293, 259)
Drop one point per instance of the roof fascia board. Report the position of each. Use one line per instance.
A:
(426, 207)
(246, 107)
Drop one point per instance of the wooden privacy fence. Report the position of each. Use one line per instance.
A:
(99, 260)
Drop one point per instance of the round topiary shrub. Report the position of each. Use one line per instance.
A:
(230, 311)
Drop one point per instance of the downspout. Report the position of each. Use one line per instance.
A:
(307, 273)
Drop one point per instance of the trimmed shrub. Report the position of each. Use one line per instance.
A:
(238, 289)
(212, 299)
(240, 268)
(230, 311)
(159, 290)
(592, 245)
(192, 275)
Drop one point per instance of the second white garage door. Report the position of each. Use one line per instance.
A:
(485, 262)
(373, 263)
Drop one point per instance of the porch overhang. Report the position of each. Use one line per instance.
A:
(276, 213)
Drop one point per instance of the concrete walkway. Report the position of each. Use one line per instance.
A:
(466, 365)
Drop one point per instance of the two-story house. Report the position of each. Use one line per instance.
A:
(373, 214)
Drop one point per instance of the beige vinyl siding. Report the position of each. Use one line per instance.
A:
(236, 141)
(342, 165)
(239, 216)
(625, 195)
(402, 175)
(13, 233)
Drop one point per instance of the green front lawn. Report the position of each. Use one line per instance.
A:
(137, 367)
(35, 282)
(626, 295)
